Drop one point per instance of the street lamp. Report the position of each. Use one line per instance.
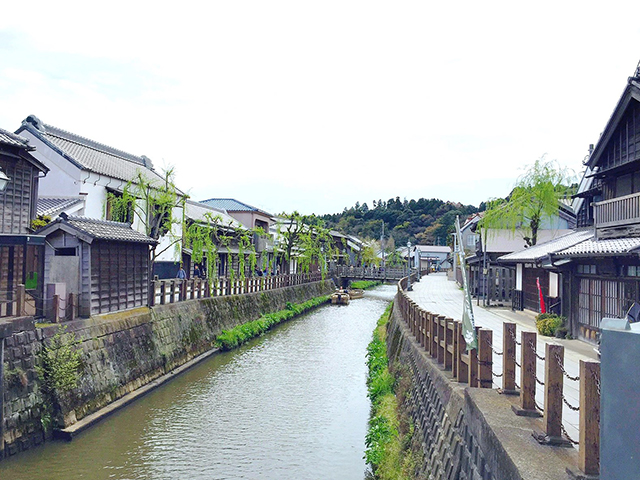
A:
(409, 288)
(4, 181)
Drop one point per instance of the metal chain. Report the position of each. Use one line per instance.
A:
(540, 382)
(533, 347)
(497, 375)
(516, 362)
(564, 432)
(596, 378)
(514, 338)
(560, 364)
(575, 409)
(538, 407)
(493, 348)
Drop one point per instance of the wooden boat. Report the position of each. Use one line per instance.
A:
(340, 297)
(355, 293)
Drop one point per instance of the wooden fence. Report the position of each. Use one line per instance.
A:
(176, 290)
(442, 338)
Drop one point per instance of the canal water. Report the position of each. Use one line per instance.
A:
(289, 405)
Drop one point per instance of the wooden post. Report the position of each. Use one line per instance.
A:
(423, 328)
(456, 349)
(448, 343)
(433, 351)
(553, 381)
(509, 359)
(441, 346)
(21, 296)
(473, 367)
(463, 357)
(71, 307)
(527, 376)
(485, 358)
(589, 452)
(163, 292)
(56, 309)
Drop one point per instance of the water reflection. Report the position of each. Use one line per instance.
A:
(291, 404)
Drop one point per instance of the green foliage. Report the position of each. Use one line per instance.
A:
(60, 362)
(230, 339)
(40, 221)
(306, 238)
(364, 284)
(535, 197)
(549, 323)
(428, 221)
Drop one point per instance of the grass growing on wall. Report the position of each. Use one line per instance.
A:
(230, 339)
(390, 433)
(364, 284)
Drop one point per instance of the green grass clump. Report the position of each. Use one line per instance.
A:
(390, 434)
(364, 284)
(548, 323)
(230, 339)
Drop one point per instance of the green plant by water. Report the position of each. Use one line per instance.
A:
(230, 339)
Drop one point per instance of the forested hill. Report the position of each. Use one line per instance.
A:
(425, 222)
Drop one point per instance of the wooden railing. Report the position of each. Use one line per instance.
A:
(617, 211)
(176, 290)
(369, 273)
(442, 339)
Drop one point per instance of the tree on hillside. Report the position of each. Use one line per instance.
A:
(535, 197)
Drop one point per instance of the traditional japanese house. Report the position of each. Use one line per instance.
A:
(81, 168)
(603, 273)
(105, 264)
(21, 252)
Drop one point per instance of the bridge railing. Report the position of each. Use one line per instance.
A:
(442, 339)
(175, 290)
(369, 273)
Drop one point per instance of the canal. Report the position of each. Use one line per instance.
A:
(291, 404)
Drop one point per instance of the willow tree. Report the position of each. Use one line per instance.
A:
(535, 197)
(153, 203)
(305, 237)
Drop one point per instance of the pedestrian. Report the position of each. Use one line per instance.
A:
(182, 275)
(196, 271)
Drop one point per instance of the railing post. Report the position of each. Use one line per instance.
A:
(553, 384)
(473, 365)
(441, 346)
(589, 451)
(21, 295)
(56, 309)
(456, 349)
(527, 376)
(485, 358)
(163, 292)
(71, 307)
(463, 365)
(509, 359)
(448, 343)
(433, 351)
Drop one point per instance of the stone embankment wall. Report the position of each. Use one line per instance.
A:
(469, 433)
(124, 351)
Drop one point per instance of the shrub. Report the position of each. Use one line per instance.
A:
(548, 323)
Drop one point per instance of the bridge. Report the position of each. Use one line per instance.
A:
(347, 273)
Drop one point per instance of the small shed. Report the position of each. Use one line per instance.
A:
(106, 264)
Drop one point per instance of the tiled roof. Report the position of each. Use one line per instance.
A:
(609, 246)
(198, 212)
(53, 205)
(100, 229)
(541, 250)
(232, 205)
(434, 248)
(91, 155)
(8, 138)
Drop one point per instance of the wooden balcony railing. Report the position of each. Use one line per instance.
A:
(617, 211)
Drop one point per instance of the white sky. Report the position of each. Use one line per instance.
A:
(314, 105)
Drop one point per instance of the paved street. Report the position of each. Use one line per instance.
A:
(436, 294)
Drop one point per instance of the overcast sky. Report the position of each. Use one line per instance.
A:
(315, 105)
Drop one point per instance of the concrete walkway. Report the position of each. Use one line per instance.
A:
(436, 294)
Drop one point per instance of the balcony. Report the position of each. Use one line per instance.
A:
(617, 212)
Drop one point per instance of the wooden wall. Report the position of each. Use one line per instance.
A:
(16, 202)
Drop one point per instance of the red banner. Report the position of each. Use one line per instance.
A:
(542, 307)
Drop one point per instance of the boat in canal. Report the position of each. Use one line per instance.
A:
(340, 297)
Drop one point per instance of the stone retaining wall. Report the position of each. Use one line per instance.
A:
(469, 433)
(124, 351)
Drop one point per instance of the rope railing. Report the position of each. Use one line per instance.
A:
(442, 339)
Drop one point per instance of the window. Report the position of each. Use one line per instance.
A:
(65, 252)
